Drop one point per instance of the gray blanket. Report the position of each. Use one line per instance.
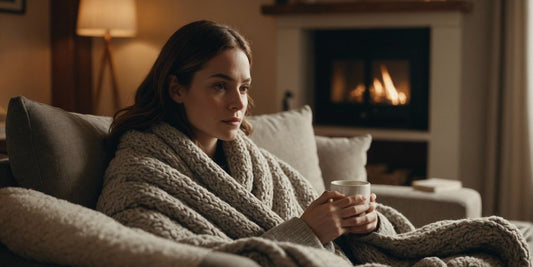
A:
(161, 182)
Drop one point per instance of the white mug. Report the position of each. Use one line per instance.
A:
(351, 187)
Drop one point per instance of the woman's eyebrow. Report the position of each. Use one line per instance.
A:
(226, 77)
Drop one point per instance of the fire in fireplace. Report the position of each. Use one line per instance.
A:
(383, 89)
(372, 77)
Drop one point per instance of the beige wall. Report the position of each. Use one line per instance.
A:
(158, 19)
(476, 60)
(25, 54)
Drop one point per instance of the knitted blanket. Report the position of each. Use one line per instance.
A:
(161, 182)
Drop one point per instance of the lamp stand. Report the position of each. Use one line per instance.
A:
(107, 59)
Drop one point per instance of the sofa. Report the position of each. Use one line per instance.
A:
(50, 183)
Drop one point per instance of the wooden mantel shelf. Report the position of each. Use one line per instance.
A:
(368, 6)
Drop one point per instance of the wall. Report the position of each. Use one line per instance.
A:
(158, 19)
(25, 53)
(476, 61)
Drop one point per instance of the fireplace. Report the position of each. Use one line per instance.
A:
(436, 145)
(372, 77)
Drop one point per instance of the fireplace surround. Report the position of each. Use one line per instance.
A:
(295, 72)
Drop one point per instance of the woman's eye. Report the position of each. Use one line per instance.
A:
(244, 88)
(220, 86)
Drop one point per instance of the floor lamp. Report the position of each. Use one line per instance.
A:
(107, 18)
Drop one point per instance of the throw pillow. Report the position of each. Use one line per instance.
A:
(56, 152)
(290, 136)
(343, 158)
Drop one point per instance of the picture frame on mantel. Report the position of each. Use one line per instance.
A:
(13, 6)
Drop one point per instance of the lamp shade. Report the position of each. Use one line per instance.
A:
(96, 17)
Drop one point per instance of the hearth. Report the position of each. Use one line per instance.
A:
(372, 77)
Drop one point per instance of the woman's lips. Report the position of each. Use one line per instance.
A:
(232, 121)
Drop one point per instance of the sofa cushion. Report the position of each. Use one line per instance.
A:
(289, 135)
(343, 158)
(56, 152)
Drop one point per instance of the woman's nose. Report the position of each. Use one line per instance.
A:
(237, 100)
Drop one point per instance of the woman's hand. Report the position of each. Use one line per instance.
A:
(365, 223)
(333, 214)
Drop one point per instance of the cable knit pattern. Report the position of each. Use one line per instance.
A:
(491, 241)
(161, 182)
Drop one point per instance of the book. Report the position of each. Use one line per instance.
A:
(436, 185)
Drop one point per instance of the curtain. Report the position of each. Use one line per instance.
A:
(508, 187)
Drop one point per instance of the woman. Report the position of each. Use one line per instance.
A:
(185, 170)
(197, 93)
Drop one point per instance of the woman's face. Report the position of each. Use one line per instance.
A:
(216, 101)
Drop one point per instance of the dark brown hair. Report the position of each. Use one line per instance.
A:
(185, 52)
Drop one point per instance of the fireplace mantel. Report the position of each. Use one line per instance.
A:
(374, 6)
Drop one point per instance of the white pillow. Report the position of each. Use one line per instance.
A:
(290, 136)
(343, 158)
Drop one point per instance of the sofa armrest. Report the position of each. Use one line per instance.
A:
(42, 230)
(221, 259)
(50, 230)
(8, 258)
(422, 208)
(6, 177)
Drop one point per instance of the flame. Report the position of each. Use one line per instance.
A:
(386, 92)
(382, 91)
(357, 93)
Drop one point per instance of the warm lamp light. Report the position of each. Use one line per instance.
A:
(107, 18)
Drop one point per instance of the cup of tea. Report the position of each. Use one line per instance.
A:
(351, 187)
